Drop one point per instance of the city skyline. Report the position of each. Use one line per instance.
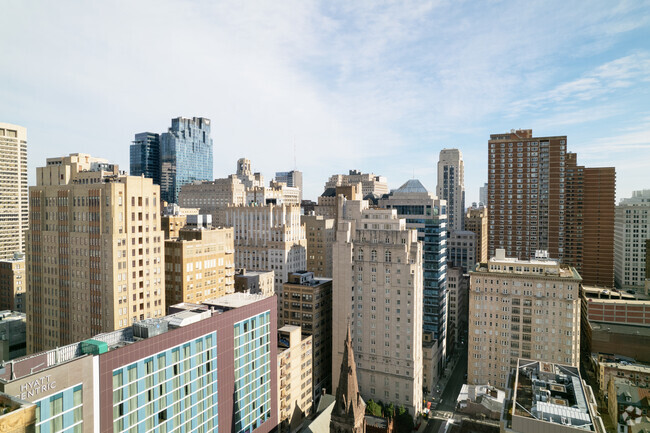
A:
(349, 86)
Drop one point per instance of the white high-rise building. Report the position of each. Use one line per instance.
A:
(632, 222)
(269, 238)
(451, 186)
(14, 209)
(377, 289)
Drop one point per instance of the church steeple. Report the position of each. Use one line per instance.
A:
(349, 409)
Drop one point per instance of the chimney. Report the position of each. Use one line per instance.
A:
(322, 391)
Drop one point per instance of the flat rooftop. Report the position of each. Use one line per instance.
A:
(184, 314)
(553, 393)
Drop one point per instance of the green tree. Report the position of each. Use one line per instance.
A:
(389, 411)
(373, 408)
(403, 421)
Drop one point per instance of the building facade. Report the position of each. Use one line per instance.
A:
(199, 265)
(185, 155)
(632, 230)
(13, 335)
(145, 156)
(308, 304)
(451, 187)
(370, 184)
(321, 234)
(213, 197)
(461, 249)
(378, 290)
(208, 367)
(269, 238)
(294, 380)
(541, 199)
(521, 308)
(13, 284)
(458, 287)
(476, 221)
(255, 282)
(427, 214)
(14, 212)
(291, 178)
(94, 251)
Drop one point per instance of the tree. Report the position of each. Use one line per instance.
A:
(389, 411)
(403, 421)
(373, 408)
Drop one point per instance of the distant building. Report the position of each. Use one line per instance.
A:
(328, 201)
(483, 195)
(457, 288)
(14, 205)
(13, 284)
(213, 197)
(517, 297)
(145, 156)
(199, 264)
(308, 304)
(276, 193)
(451, 187)
(370, 184)
(105, 247)
(321, 234)
(291, 178)
(185, 155)
(632, 229)
(13, 335)
(294, 380)
(255, 282)
(246, 175)
(461, 249)
(539, 198)
(269, 238)
(551, 398)
(609, 366)
(192, 370)
(476, 220)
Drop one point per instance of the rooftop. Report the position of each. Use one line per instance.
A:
(539, 265)
(553, 393)
(411, 186)
(183, 315)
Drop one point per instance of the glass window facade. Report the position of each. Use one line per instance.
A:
(185, 155)
(61, 412)
(174, 390)
(145, 156)
(252, 372)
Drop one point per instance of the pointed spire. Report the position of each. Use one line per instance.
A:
(348, 400)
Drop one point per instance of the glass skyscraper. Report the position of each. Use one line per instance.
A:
(185, 155)
(145, 156)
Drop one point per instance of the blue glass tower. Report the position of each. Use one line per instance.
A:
(426, 213)
(185, 155)
(145, 156)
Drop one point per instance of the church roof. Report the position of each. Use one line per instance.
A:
(348, 400)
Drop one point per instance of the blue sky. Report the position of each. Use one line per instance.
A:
(375, 86)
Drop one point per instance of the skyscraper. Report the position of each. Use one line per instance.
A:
(476, 221)
(94, 251)
(426, 213)
(145, 156)
(377, 288)
(451, 186)
(14, 210)
(540, 199)
(632, 230)
(185, 155)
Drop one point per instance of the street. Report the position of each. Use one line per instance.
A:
(449, 395)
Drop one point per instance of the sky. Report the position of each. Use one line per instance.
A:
(325, 87)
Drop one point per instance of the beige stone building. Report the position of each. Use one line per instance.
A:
(269, 238)
(295, 398)
(457, 288)
(14, 210)
(521, 308)
(13, 284)
(321, 234)
(451, 187)
(476, 220)
(199, 265)
(328, 201)
(378, 289)
(214, 197)
(94, 251)
(308, 304)
(276, 193)
(255, 282)
(370, 183)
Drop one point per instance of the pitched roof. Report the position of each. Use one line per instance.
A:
(348, 400)
(411, 186)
